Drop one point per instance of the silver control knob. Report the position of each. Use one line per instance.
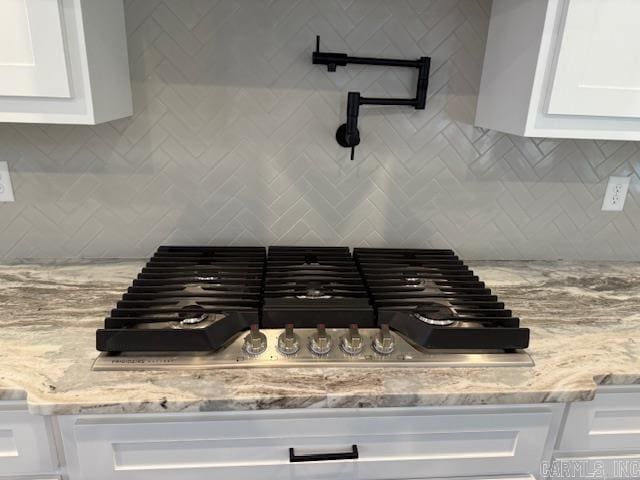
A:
(255, 342)
(351, 341)
(383, 342)
(320, 342)
(288, 341)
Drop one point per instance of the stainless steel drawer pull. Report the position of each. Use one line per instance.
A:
(323, 457)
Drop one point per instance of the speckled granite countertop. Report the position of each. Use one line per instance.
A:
(584, 320)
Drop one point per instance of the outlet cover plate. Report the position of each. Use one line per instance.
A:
(616, 194)
(6, 189)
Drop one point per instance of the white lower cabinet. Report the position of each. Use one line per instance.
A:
(601, 438)
(597, 439)
(26, 445)
(610, 422)
(410, 443)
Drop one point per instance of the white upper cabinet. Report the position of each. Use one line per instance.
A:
(563, 68)
(32, 59)
(598, 70)
(63, 61)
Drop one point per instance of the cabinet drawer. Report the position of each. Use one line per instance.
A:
(24, 441)
(610, 422)
(390, 445)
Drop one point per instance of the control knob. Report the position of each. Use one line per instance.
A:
(288, 341)
(351, 341)
(255, 342)
(320, 342)
(383, 342)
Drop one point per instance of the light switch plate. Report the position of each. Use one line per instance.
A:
(6, 189)
(616, 194)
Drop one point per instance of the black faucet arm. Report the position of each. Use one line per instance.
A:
(348, 135)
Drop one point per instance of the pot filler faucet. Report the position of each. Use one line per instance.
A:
(348, 135)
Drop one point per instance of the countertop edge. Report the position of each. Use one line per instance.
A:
(45, 407)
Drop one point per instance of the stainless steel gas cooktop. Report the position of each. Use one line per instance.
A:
(230, 307)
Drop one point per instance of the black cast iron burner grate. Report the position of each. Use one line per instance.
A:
(200, 299)
(307, 286)
(188, 299)
(432, 298)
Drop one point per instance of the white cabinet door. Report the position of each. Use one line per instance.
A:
(63, 61)
(32, 52)
(24, 441)
(598, 67)
(610, 422)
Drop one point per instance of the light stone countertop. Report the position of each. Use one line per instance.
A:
(584, 320)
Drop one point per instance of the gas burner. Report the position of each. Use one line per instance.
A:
(423, 284)
(314, 294)
(311, 259)
(437, 314)
(197, 322)
(194, 320)
(313, 291)
(192, 313)
(428, 319)
(194, 288)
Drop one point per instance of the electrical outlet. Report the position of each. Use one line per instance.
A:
(6, 190)
(616, 194)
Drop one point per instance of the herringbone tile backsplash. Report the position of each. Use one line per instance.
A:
(232, 142)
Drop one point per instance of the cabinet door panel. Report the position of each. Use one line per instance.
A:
(461, 443)
(24, 442)
(598, 67)
(32, 52)
(610, 422)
